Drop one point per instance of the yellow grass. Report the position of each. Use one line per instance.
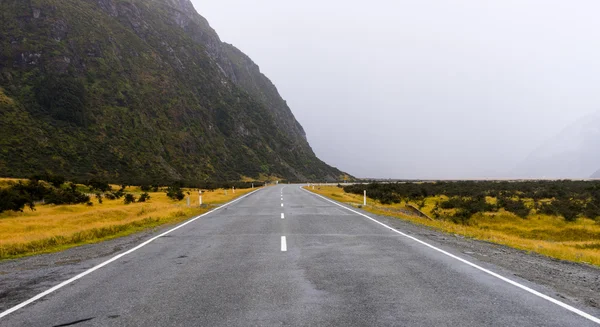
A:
(4, 99)
(52, 228)
(6, 182)
(548, 235)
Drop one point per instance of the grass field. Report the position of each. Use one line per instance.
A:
(6, 182)
(552, 236)
(53, 228)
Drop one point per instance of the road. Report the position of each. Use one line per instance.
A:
(285, 257)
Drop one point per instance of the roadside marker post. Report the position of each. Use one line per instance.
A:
(233, 189)
(199, 197)
(365, 199)
(188, 201)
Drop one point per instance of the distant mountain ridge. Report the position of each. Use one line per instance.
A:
(572, 153)
(138, 90)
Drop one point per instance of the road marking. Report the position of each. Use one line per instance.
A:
(115, 258)
(282, 204)
(283, 244)
(282, 216)
(489, 272)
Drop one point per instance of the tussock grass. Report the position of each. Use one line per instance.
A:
(52, 228)
(552, 236)
(7, 182)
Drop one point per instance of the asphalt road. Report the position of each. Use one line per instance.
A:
(229, 268)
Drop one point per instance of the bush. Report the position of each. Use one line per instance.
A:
(570, 210)
(32, 190)
(55, 180)
(144, 197)
(129, 198)
(174, 192)
(515, 206)
(99, 185)
(118, 194)
(570, 199)
(145, 188)
(10, 199)
(21, 194)
(67, 196)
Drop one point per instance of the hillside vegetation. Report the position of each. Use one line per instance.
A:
(138, 91)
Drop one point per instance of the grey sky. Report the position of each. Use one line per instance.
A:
(423, 89)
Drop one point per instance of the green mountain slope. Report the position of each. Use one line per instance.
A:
(138, 90)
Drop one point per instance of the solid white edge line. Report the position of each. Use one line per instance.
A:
(91, 270)
(489, 272)
(283, 244)
(282, 216)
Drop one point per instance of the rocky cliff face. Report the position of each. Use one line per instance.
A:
(138, 90)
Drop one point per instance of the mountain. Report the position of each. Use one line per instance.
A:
(138, 90)
(572, 153)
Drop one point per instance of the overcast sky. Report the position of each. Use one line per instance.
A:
(423, 89)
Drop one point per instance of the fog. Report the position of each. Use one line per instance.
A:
(423, 89)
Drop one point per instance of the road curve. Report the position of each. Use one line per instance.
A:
(282, 256)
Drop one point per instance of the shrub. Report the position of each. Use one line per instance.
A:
(515, 206)
(129, 198)
(55, 180)
(11, 199)
(99, 185)
(118, 194)
(17, 196)
(174, 192)
(144, 197)
(67, 196)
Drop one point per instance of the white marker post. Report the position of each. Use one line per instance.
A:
(199, 197)
(252, 185)
(365, 199)
(188, 201)
(233, 189)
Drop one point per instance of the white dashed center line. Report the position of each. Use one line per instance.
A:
(283, 244)
(282, 216)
